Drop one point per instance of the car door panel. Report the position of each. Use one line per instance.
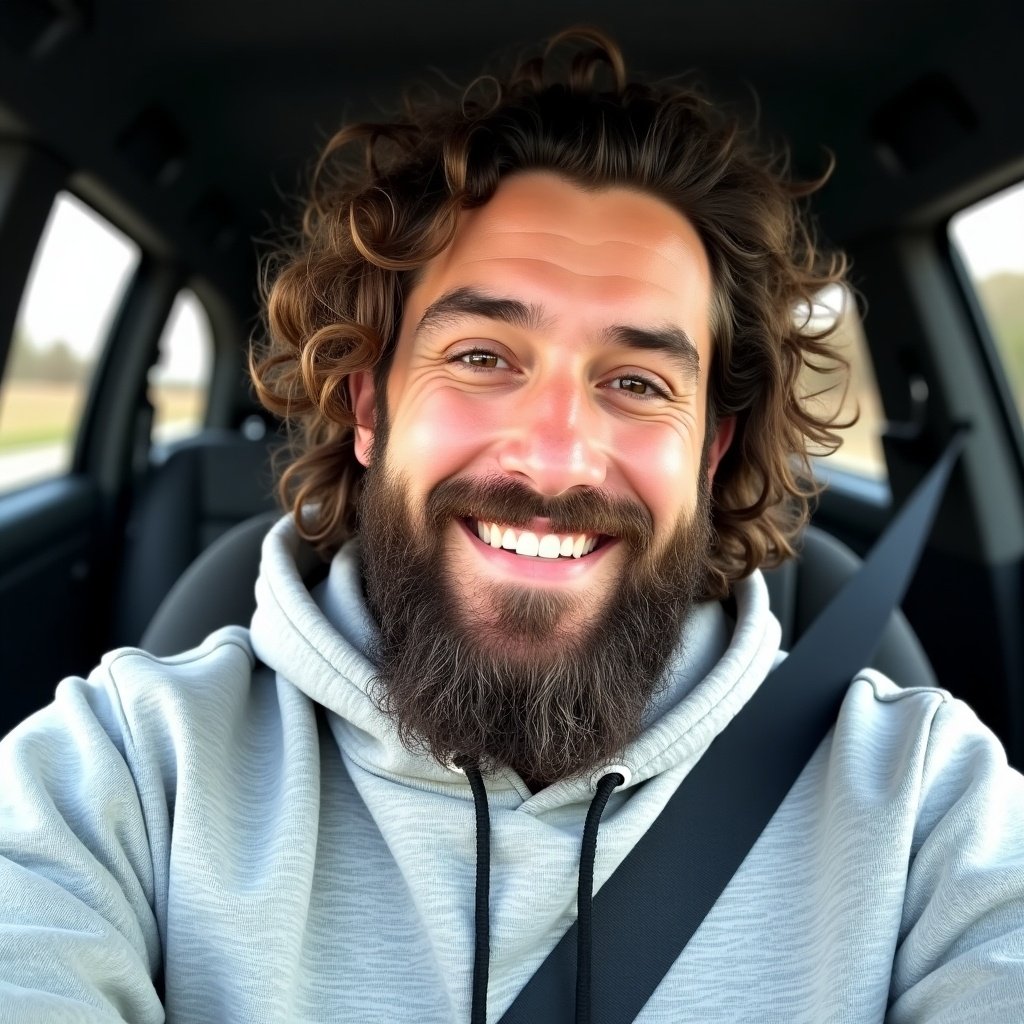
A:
(49, 593)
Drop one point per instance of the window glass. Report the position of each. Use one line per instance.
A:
(861, 452)
(76, 284)
(179, 383)
(990, 239)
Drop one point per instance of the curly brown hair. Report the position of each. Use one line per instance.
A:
(334, 299)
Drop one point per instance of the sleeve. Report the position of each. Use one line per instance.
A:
(961, 952)
(79, 939)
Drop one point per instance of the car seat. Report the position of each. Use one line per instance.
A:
(206, 485)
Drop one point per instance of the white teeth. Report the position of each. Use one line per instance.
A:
(549, 547)
(528, 544)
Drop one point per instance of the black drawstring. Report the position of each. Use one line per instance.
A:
(482, 946)
(585, 897)
(584, 901)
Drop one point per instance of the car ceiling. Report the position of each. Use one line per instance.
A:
(191, 122)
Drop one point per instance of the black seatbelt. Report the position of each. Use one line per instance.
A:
(647, 911)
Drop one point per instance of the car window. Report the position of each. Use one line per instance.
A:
(77, 281)
(861, 451)
(179, 382)
(990, 239)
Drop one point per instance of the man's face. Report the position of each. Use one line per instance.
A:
(561, 343)
(535, 517)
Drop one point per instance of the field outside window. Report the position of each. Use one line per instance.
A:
(76, 284)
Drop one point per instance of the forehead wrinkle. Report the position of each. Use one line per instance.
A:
(673, 259)
(559, 268)
(563, 236)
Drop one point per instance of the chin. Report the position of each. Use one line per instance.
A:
(526, 624)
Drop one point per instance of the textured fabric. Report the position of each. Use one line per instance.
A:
(251, 843)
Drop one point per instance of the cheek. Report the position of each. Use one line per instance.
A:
(661, 466)
(440, 435)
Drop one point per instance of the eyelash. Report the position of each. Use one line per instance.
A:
(658, 391)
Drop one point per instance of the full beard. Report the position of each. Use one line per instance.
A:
(544, 683)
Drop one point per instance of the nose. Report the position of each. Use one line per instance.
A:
(555, 442)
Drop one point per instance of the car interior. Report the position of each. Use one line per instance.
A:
(151, 154)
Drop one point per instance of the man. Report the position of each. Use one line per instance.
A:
(540, 348)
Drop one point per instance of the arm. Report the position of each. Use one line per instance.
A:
(961, 952)
(78, 936)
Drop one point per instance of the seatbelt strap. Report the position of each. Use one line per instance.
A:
(646, 912)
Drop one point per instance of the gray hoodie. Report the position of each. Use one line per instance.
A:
(236, 834)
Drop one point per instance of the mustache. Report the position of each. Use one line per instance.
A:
(513, 503)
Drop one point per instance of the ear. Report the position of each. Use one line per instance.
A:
(362, 395)
(720, 444)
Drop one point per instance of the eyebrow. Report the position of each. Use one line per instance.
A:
(673, 341)
(464, 303)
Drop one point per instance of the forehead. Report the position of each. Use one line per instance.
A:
(609, 255)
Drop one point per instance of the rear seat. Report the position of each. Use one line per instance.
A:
(202, 488)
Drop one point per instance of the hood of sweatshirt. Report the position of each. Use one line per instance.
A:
(319, 641)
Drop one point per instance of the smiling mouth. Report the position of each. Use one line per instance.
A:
(535, 545)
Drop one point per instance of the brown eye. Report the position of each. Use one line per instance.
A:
(639, 387)
(634, 385)
(480, 360)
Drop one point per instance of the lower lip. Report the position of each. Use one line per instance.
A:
(537, 570)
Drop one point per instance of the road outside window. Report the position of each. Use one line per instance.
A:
(990, 240)
(76, 284)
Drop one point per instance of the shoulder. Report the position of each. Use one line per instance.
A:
(224, 660)
(889, 719)
(147, 706)
(934, 743)
(959, 832)
(878, 705)
(200, 694)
